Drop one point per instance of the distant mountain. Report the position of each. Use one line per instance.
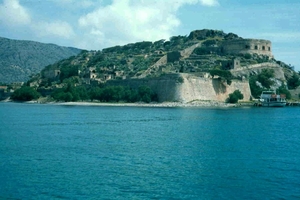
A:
(20, 59)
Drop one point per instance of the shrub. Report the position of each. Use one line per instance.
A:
(180, 80)
(70, 93)
(209, 42)
(67, 71)
(224, 74)
(255, 89)
(247, 56)
(25, 93)
(173, 56)
(282, 90)
(146, 94)
(235, 96)
(265, 77)
(293, 82)
(120, 93)
(201, 51)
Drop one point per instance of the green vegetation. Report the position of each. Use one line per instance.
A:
(282, 90)
(235, 96)
(256, 90)
(82, 77)
(20, 59)
(247, 56)
(173, 56)
(180, 80)
(210, 42)
(70, 93)
(104, 94)
(201, 51)
(223, 74)
(68, 71)
(293, 82)
(264, 78)
(25, 93)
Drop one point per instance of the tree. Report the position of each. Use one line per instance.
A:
(235, 96)
(146, 94)
(282, 90)
(105, 94)
(25, 93)
(223, 74)
(293, 82)
(82, 93)
(255, 89)
(201, 51)
(68, 70)
(248, 56)
(265, 77)
(70, 93)
(95, 93)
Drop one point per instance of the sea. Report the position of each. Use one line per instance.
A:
(108, 152)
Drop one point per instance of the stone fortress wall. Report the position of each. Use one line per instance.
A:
(237, 46)
(257, 68)
(186, 87)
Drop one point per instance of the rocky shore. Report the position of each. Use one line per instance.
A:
(163, 105)
(208, 104)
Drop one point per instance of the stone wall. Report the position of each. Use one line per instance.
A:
(256, 69)
(196, 88)
(237, 46)
(185, 87)
(165, 87)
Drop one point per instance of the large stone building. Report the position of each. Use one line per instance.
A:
(238, 46)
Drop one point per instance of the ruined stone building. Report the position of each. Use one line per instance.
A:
(243, 46)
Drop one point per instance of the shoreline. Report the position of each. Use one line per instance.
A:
(200, 104)
(197, 104)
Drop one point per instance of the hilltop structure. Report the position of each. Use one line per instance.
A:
(244, 46)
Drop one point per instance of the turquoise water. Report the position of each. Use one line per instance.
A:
(86, 152)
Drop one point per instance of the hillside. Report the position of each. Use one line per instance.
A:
(211, 59)
(20, 59)
(197, 53)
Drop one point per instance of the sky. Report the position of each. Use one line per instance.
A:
(97, 24)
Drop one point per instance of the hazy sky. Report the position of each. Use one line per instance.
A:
(96, 24)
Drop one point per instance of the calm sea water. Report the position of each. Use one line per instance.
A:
(90, 152)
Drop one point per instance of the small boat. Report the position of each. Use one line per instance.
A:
(271, 99)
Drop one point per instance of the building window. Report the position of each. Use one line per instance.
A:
(256, 47)
(269, 48)
(263, 47)
(247, 46)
